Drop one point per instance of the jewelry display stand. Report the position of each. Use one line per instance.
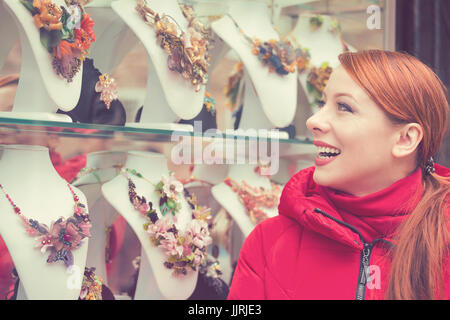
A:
(274, 94)
(323, 46)
(155, 281)
(102, 214)
(253, 111)
(8, 38)
(41, 92)
(114, 37)
(229, 200)
(169, 96)
(28, 175)
(211, 173)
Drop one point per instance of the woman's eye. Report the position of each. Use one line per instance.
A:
(344, 107)
(320, 103)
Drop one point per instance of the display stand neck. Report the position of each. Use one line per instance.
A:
(156, 109)
(31, 86)
(34, 162)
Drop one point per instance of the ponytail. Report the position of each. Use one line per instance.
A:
(422, 243)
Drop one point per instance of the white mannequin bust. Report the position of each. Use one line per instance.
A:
(25, 170)
(230, 201)
(114, 38)
(263, 90)
(169, 96)
(8, 38)
(40, 89)
(155, 281)
(100, 211)
(324, 46)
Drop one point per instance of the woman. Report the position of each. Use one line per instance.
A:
(370, 220)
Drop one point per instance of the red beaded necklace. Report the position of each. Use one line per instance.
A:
(63, 236)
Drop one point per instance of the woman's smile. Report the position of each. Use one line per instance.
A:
(326, 153)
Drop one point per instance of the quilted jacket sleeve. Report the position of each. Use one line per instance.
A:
(248, 279)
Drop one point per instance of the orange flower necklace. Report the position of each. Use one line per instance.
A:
(67, 34)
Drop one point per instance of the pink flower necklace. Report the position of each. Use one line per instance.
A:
(63, 236)
(184, 250)
(168, 190)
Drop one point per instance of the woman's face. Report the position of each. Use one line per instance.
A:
(354, 139)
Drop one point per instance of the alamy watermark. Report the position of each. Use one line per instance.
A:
(373, 22)
(242, 146)
(75, 277)
(373, 276)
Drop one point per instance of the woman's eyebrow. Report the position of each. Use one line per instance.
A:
(339, 94)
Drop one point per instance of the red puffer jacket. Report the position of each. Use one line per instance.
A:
(325, 244)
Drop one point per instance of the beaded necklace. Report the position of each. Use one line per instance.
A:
(255, 199)
(184, 250)
(63, 236)
(188, 51)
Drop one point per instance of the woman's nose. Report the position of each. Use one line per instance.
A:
(318, 122)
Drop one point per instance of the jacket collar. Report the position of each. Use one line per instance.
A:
(372, 217)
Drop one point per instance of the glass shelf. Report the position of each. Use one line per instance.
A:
(72, 139)
(99, 131)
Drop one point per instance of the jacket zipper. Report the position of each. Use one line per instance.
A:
(364, 272)
(364, 261)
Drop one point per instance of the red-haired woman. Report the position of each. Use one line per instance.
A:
(370, 220)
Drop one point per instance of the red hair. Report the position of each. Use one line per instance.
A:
(410, 92)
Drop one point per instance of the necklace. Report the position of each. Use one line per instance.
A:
(188, 51)
(92, 285)
(184, 250)
(108, 228)
(278, 55)
(63, 236)
(255, 199)
(67, 34)
(168, 190)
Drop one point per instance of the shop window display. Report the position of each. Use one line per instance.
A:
(103, 95)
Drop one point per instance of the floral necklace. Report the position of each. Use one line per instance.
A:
(168, 190)
(184, 250)
(63, 236)
(67, 34)
(278, 55)
(188, 52)
(255, 199)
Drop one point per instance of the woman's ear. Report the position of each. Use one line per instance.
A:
(408, 138)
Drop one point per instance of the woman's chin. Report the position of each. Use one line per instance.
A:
(325, 179)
